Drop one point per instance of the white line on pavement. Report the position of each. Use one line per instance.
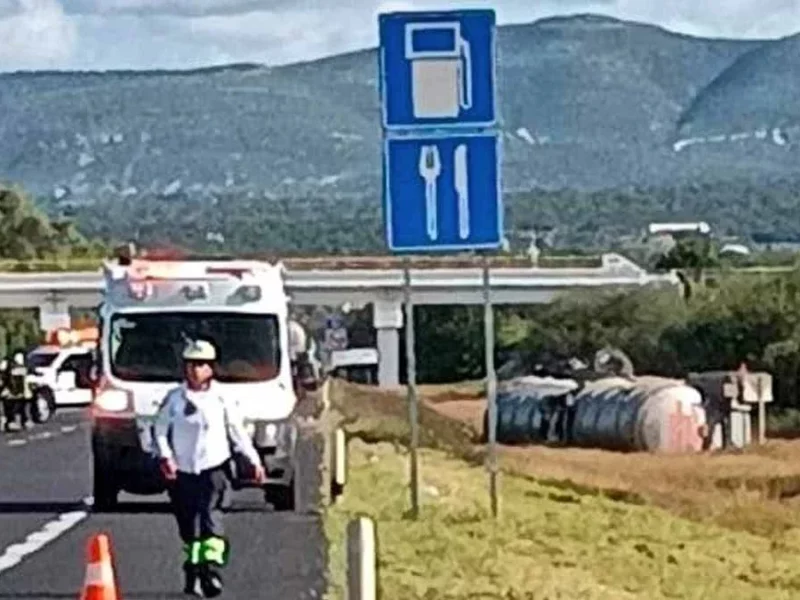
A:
(43, 435)
(37, 540)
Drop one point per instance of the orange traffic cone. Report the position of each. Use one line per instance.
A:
(100, 583)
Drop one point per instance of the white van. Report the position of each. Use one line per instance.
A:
(148, 311)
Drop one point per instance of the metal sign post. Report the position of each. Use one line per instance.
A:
(491, 385)
(411, 386)
(441, 149)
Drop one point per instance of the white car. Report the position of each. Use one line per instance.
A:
(60, 376)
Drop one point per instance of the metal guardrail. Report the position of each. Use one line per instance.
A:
(378, 279)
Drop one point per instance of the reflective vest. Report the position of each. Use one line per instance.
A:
(16, 383)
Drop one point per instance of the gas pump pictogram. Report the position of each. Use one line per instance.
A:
(441, 69)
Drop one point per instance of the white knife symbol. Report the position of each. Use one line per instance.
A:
(430, 166)
(462, 190)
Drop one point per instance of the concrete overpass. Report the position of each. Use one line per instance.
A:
(53, 293)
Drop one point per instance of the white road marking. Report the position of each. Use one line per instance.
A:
(37, 540)
(51, 530)
(44, 435)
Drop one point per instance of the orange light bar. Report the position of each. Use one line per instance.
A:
(144, 270)
(73, 337)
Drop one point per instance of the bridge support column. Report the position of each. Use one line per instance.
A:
(54, 314)
(387, 318)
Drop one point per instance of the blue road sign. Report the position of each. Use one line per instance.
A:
(438, 69)
(442, 193)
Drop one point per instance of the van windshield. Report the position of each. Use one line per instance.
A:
(39, 359)
(147, 347)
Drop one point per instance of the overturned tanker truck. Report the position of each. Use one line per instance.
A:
(645, 414)
(568, 403)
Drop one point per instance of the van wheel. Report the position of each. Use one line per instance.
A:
(104, 489)
(105, 497)
(43, 406)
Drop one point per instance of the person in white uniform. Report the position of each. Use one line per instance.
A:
(195, 430)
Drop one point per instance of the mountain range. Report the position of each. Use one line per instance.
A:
(587, 103)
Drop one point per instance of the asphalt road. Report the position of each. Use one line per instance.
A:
(46, 520)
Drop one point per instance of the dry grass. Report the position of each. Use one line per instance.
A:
(452, 392)
(548, 543)
(748, 492)
(753, 491)
(574, 523)
(382, 416)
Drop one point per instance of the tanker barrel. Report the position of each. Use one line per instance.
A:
(526, 406)
(650, 414)
(506, 405)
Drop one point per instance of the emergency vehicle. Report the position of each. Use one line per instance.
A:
(60, 371)
(149, 309)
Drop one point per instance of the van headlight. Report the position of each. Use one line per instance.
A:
(112, 400)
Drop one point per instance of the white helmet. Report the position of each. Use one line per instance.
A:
(200, 350)
(19, 359)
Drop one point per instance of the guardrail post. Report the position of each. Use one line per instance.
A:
(324, 420)
(339, 464)
(361, 560)
(762, 421)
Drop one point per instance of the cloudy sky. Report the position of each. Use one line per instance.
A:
(104, 34)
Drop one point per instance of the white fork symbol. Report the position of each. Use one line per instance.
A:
(430, 167)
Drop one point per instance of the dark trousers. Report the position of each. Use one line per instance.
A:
(196, 503)
(16, 410)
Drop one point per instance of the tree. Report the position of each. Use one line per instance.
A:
(26, 234)
(449, 343)
(694, 254)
